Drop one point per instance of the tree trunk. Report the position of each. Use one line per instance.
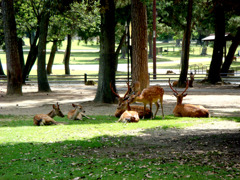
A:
(219, 42)
(228, 61)
(107, 53)
(14, 73)
(20, 51)
(32, 56)
(43, 85)
(139, 44)
(150, 44)
(1, 69)
(67, 54)
(185, 47)
(120, 46)
(51, 57)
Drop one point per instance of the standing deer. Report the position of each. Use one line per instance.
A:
(187, 110)
(148, 96)
(129, 116)
(77, 113)
(47, 119)
(123, 103)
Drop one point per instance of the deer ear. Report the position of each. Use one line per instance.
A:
(175, 94)
(73, 105)
(185, 94)
(54, 107)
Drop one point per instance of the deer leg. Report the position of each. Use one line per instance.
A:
(151, 110)
(157, 106)
(144, 111)
(161, 101)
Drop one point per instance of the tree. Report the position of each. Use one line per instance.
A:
(186, 46)
(43, 85)
(107, 53)
(14, 86)
(219, 42)
(139, 43)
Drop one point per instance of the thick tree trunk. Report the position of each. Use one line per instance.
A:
(14, 73)
(219, 42)
(107, 53)
(51, 57)
(66, 59)
(186, 47)
(43, 85)
(139, 43)
(32, 56)
(228, 61)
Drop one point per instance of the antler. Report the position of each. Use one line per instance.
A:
(114, 91)
(127, 90)
(186, 86)
(172, 87)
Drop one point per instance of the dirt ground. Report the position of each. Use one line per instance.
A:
(220, 100)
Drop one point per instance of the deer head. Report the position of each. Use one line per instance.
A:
(176, 94)
(56, 111)
(78, 107)
(122, 101)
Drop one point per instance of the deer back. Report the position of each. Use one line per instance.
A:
(150, 94)
(190, 110)
(139, 109)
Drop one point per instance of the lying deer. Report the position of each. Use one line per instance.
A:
(129, 116)
(148, 96)
(77, 113)
(123, 104)
(175, 83)
(47, 119)
(187, 110)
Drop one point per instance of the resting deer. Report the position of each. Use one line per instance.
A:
(47, 119)
(123, 105)
(129, 116)
(77, 113)
(148, 96)
(187, 110)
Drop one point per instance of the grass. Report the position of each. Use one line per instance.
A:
(85, 150)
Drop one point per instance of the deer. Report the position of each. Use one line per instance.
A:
(129, 116)
(123, 103)
(77, 113)
(175, 83)
(47, 119)
(187, 110)
(148, 96)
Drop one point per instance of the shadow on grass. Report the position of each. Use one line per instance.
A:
(117, 156)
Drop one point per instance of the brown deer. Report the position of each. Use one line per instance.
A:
(187, 110)
(129, 116)
(77, 113)
(148, 96)
(123, 105)
(175, 83)
(47, 119)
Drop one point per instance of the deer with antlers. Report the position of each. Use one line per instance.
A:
(47, 119)
(148, 96)
(77, 113)
(123, 103)
(187, 110)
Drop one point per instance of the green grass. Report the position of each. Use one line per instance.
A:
(79, 149)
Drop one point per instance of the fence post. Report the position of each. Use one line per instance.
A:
(85, 78)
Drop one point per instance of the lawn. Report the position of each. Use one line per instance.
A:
(102, 149)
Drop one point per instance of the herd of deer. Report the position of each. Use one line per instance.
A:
(133, 113)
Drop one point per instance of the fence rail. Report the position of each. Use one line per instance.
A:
(122, 78)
